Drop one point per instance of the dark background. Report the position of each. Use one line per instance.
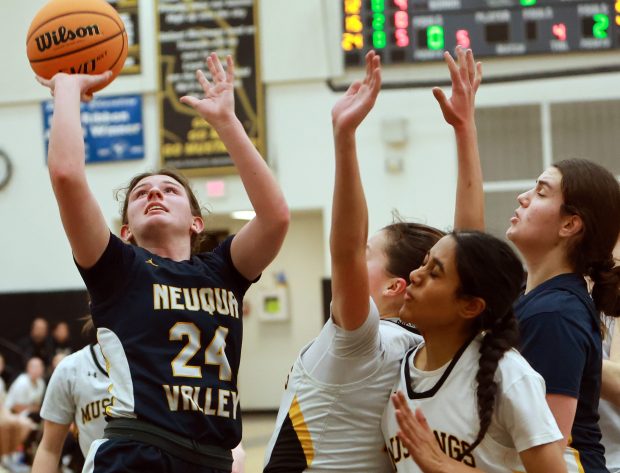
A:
(18, 310)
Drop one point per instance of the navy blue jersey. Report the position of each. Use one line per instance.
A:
(561, 339)
(171, 334)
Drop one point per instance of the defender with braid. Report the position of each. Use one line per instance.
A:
(485, 405)
(330, 415)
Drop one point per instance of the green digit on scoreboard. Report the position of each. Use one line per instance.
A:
(601, 24)
(435, 37)
(377, 6)
(379, 39)
(378, 21)
(528, 3)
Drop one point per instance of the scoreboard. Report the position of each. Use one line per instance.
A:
(406, 31)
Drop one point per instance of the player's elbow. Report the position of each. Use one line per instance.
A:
(64, 175)
(280, 219)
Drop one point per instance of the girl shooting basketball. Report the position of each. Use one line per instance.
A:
(169, 322)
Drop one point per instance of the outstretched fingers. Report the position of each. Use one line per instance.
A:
(463, 64)
(441, 98)
(354, 88)
(230, 69)
(375, 81)
(203, 81)
(190, 101)
(478, 76)
(370, 56)
(453, 68)
(215, 68)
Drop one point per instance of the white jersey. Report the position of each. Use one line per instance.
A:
(447, 396)
(330, 414)
(23, 392)
(609, 421)
(78, 392)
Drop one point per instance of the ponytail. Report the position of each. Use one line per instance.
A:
(606, 290)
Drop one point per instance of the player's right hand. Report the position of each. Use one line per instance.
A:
(359, 99)
(84, 82)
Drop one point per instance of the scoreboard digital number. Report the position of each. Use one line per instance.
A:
(405, 31)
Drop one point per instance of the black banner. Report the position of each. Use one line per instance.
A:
(188, 32)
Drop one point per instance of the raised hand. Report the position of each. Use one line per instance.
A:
(418, 438)
(85, 82)
(466, 76)
(218, 104)
(359, 99)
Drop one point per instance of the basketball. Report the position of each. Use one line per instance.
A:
(85, 37)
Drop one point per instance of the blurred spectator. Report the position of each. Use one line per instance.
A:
(26, 393)
(14, 430)
(38, 343)
(50, 370)
(61, 339)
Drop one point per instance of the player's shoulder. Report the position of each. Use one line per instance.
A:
(397, 337)
(75, 359)
(513, 367)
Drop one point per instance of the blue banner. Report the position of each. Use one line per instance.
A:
(113, 129)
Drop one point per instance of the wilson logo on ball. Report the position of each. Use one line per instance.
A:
(87, 67)
(63, 35)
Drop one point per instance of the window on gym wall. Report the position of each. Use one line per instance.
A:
(512, 156)
(518, 142)
(587, 130)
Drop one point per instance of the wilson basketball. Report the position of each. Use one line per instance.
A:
(77, 37)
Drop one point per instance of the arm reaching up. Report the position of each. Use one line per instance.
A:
(458, 111)
(80, 213)
(349, 227)
(259, 241)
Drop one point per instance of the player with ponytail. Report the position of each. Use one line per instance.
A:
(566, 228)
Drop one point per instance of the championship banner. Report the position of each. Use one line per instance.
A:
(113, 129)
(128, 11)
(188, 32)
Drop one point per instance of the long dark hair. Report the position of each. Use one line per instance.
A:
(489, 269)
(406, 246)
(123, 194)
(592, 192)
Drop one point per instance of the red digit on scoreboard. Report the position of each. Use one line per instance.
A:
(402, 4)
(402, 38)
(462, 38)
(401, 22)
(559, 31)
(401, 19)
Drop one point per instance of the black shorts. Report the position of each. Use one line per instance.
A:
(129, 456)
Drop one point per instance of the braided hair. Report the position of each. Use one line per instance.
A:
(489, 269)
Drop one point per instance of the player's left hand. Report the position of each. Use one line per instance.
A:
(218, 104)
(417, 437)
(359, 99)
(466, 76)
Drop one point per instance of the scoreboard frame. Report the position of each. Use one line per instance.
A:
(417, 31)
